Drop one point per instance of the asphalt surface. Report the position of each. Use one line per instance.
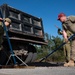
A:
(40, 69)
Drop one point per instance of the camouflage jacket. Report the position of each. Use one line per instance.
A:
(69, 25)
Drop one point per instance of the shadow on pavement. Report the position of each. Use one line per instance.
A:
(34, 64)
(45, 64)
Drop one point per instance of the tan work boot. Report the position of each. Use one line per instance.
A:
(66, 64)
(69, 64)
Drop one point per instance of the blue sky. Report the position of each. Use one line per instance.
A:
(48, 10)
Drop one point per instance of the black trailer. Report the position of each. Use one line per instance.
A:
(24, 31)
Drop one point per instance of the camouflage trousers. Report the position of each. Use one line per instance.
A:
(1, 36)
(67, 51)
(1, 40)
(73, 50)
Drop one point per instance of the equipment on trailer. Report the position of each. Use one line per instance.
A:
(24, 32)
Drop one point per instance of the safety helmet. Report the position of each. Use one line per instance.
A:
(61, 15)
(8, 20)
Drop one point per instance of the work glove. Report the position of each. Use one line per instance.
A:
(59, 31)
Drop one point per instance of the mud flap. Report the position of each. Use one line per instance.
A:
(29, 57)
(34, 57)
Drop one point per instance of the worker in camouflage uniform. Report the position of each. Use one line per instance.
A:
(7, 22)
(68, 23)
(67, 46)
